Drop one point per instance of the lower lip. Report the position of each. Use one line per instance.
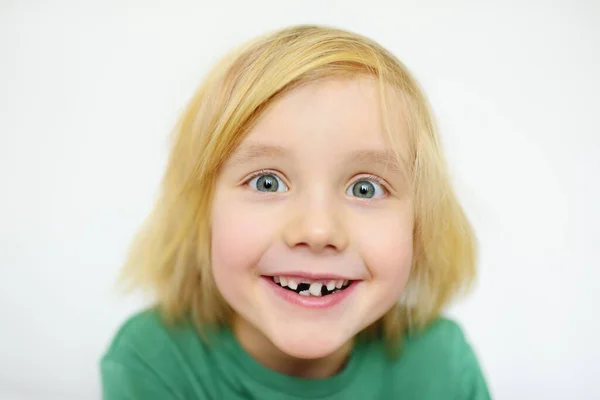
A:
(327, 301)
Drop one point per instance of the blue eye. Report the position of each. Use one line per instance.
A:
(366, 189)
(268, 183)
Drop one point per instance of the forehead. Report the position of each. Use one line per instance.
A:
(334, 114)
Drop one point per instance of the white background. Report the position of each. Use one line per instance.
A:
(89, 93)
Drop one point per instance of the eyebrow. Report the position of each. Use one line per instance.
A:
(249, 151)
(385, 158)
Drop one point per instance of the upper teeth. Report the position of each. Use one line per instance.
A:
(315, 286)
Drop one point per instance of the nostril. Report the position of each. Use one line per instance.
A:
(317, 247)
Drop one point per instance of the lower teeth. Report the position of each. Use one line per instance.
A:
(302, 290)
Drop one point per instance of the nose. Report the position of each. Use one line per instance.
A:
(316, 226)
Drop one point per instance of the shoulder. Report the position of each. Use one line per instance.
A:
(149, 353)
(440, 356)
(145, 327)
(147, 335)
(443, 336)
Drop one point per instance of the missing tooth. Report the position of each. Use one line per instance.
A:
(304, 287)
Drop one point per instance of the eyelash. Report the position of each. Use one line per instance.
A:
(260, 173)
(373, 178)
(380, 181)
(377, 180)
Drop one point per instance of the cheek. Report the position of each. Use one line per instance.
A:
(239, 237)
(386, 245)
(233, 249)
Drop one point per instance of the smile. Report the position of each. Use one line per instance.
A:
(307, 287)
(309, 293)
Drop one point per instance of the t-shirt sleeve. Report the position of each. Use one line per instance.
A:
(460, 366)
(149, 359)
(474, 384)
(133, 367)
(123, 383)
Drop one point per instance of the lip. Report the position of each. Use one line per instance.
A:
(313, 302)
(314, 277)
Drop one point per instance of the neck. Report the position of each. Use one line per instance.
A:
(267, 354)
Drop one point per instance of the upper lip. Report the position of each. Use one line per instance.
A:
(313, 276)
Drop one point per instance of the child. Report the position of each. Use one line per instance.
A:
(306, 239)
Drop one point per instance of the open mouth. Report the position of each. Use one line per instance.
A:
(311, 288)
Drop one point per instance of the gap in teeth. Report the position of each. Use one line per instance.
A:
(311, 288)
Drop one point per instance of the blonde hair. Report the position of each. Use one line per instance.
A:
(171, 253)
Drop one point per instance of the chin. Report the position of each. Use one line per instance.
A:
(309, 343)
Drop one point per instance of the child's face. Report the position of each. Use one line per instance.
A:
(312, 198)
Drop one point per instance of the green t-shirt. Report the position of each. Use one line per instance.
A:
(149, 360)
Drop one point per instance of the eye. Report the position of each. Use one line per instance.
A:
(266, 182)
(366, 189)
